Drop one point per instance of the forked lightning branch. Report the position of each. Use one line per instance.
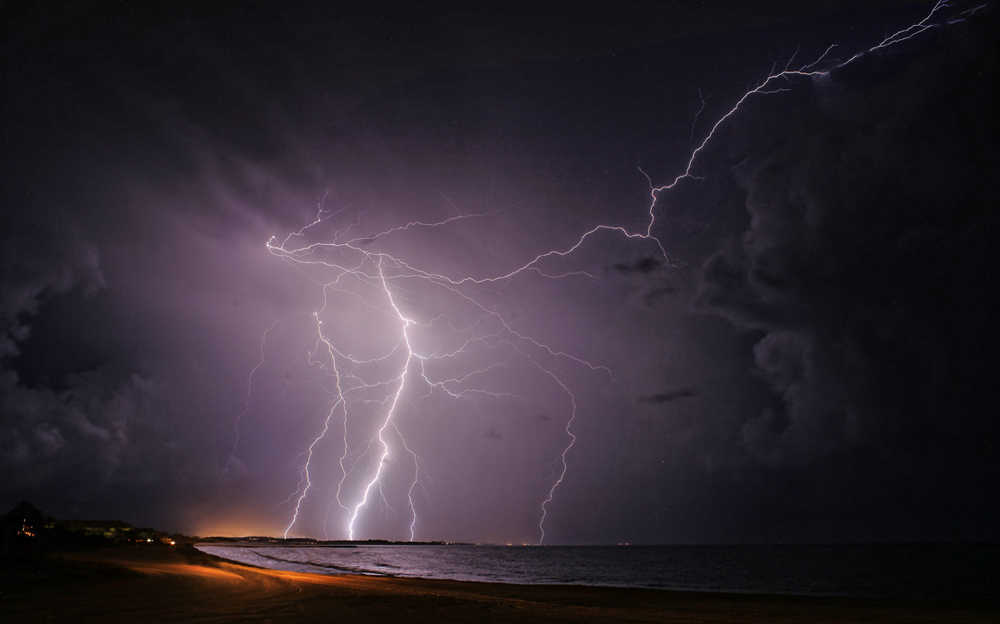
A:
(368, 391)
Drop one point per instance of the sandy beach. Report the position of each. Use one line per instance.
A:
(181, 584)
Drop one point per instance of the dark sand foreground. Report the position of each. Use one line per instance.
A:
(164, 584)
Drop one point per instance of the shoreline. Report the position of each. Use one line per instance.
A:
(170, 584)
(963, 573)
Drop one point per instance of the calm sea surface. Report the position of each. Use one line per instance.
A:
(931, 572)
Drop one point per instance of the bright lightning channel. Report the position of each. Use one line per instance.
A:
(346, 260)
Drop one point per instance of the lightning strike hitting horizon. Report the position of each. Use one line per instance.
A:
(442, 321)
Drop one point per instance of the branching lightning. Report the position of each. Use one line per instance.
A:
(375, 387)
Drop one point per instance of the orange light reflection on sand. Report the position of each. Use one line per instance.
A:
(185, 569)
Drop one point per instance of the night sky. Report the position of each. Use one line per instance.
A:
(796, 343)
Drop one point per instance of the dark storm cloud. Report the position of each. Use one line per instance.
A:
(104, 279)
(651, 272)
(645, 265)
(97, 433)
(85, 426)
(71, 412)
(90, 429)
(867, 271)
(666, 397)
(842, 321)
(41, 262)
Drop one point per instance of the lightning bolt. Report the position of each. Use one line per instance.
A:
(362, 269)
(392, 408)
(232, 462)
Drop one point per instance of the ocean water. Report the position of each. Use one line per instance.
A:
(967, 573)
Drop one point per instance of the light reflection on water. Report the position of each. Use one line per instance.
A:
(933, 572)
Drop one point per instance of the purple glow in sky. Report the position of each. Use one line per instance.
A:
(446, 275)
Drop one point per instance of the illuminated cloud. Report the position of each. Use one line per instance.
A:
(791, 344)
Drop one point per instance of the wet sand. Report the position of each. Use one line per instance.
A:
(165, 584)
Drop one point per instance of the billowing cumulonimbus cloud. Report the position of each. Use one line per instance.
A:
(92, 428)
(89, 433)
(39, 262)
(868, 230)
